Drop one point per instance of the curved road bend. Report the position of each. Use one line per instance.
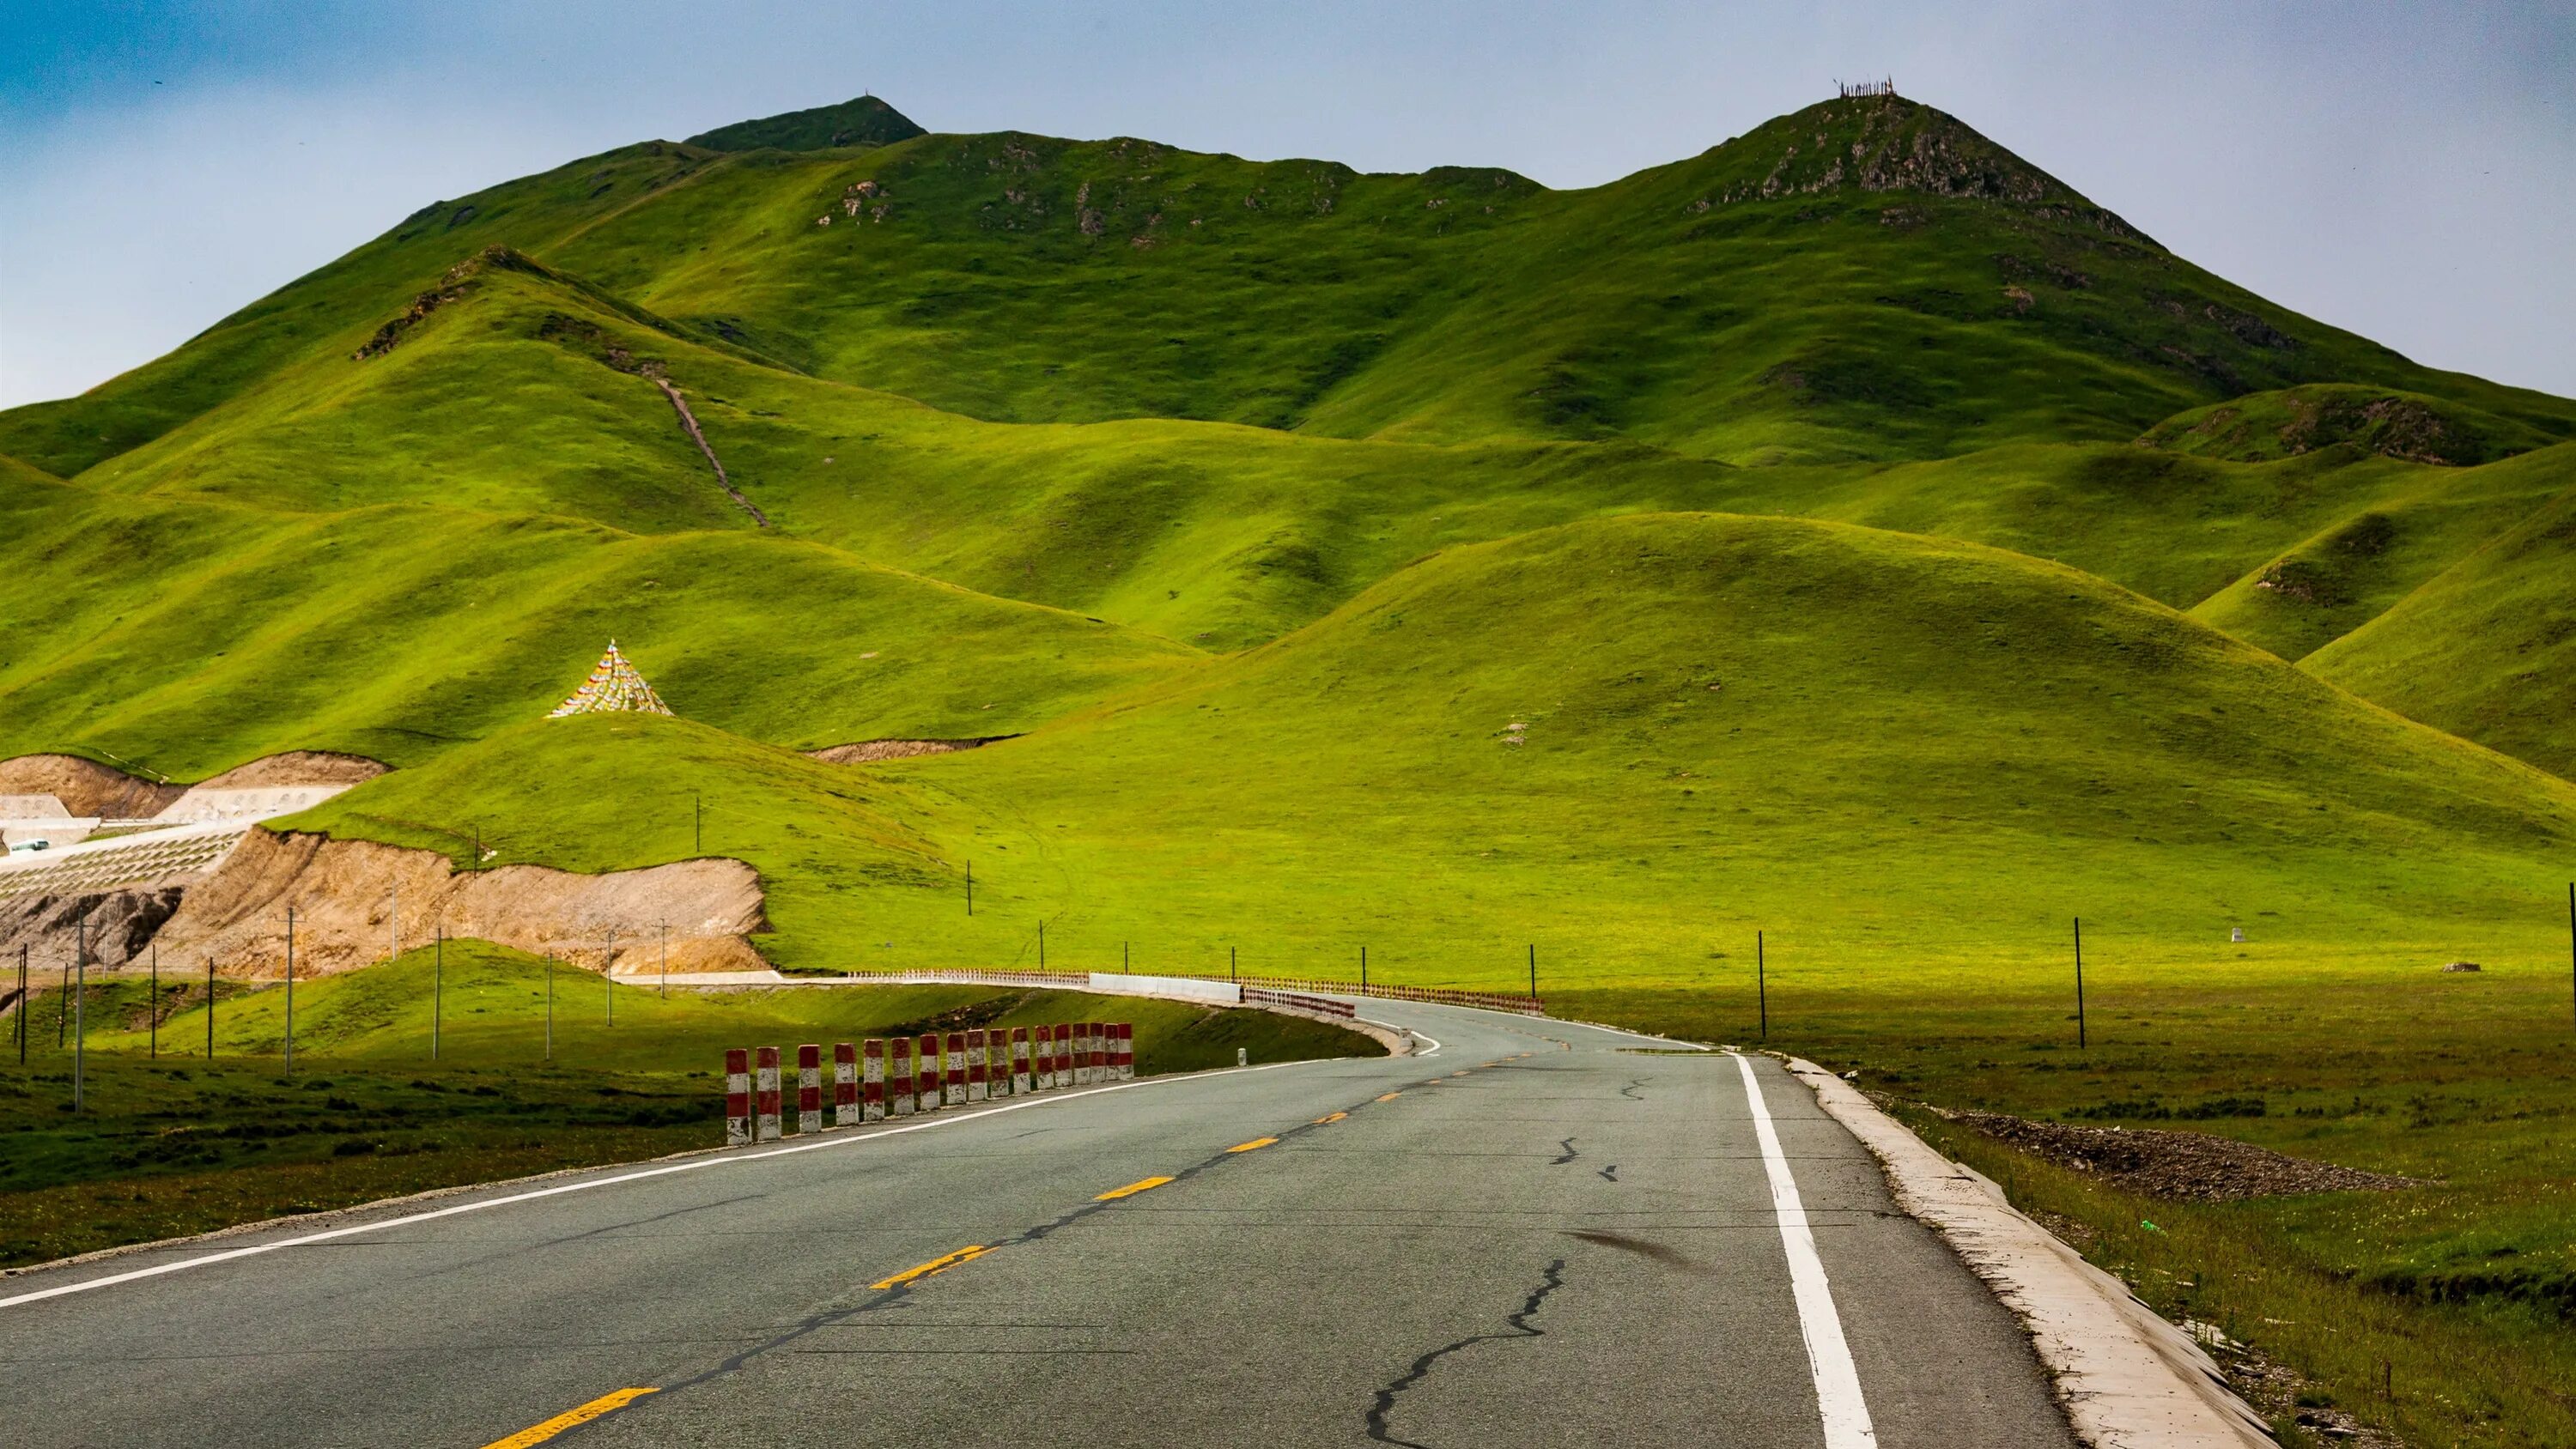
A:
(1537, 1235)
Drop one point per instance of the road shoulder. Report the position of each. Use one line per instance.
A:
(2125, 1376)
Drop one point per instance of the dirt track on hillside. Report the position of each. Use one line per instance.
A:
(86, 787)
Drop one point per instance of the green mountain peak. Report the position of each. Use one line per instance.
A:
(865, 121)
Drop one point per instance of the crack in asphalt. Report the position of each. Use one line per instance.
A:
(882, 1300)
(514, 1250)
(1516, 1325)
(1570, 1154)
(1630, 1091)
(1611, 1172)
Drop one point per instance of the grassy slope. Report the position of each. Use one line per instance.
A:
(1989, 744)
(2486, 648)
(2376, 546)
(184, 1144)
(194, 636)
(1224, 535)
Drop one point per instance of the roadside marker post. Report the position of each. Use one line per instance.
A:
(1042, 1059)
(872, 1080)
(1762, 985)
(899, 1077)
(1082, 1054)
(845, 1085)
(290, 998)
(997, 1057)
(1064, 1054)
(978, 1086)
(809, 1089)
(926, 1072)
(765, 1086)
(1126, 1059)
(737, 1096)
(2079, 983)
(1019, 1061)
(80, 1010)
(954, 1061)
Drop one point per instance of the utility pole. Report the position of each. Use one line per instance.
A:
(697, 824)
(970, 887)
(1232, 972)
(80, 1005)
(608, 981)
(1364, 971)
(210, 1008)
(290, 988)
(2079, 983)
(393, 921)
(156, 1001)
(550, 1006)
(437, 987)
(23, 1004)
(1762, 985)
(666, 960)
(1041, 943)
(1533, 973)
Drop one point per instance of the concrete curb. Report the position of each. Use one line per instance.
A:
(2126, 1378)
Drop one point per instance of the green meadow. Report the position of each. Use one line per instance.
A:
(1851, 535)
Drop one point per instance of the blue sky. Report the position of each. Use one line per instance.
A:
(2402, 170)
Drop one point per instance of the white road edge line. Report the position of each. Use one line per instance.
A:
(1838, 1397)
(1417, 1035)
(693, 1165)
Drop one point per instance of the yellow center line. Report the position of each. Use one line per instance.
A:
(1336, 1117)
(1254, 1143)
(935, 1265)
(571, 1418)
(1389, 1097)
(1131, 1189)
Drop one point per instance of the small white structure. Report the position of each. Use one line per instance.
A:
(2236, 936)
(28, 818)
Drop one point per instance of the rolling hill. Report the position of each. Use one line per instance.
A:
(850, 431)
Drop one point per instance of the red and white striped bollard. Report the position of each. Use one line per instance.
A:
(766, 1089)
(737, 1096)
(845, 1085)
(872, 1081)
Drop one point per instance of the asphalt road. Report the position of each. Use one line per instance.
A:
(1539, 1234)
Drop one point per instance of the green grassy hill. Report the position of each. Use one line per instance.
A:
(1628, 741)
(1866, 278)
(2487, 647)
